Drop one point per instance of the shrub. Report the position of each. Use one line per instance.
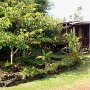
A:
(32, 72)
(73, 46)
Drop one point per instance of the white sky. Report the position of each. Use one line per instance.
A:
(63, 8)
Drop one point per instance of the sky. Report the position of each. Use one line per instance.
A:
(63, 8)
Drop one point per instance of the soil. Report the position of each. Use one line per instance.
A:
(80, 85)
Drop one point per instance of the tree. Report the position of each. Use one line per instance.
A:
(43, 5)
(64, 19)
(71, 18)
(73, 46)
(77, 15)
(14, 42)
(23, 24)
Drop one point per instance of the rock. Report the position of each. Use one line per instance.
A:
(16, 68)
(11, 76)
(18, 78)
(4, 77)
(1, 84)
(7, 76)
(11, 79)
(10, 82)
(24, 78)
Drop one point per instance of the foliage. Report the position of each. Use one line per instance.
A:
(43, 5)
(25, 27)
(24, 23)
(29, 61)
(7, 64)
(73, 46)
(66, 78)
(4, 23)
(77, 16)
(44, 30)
(31, 72)
(73, 42)
(12, 41)
(45, 57)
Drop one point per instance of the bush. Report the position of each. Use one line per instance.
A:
(32, 72)
(29, 61)
(51, 67)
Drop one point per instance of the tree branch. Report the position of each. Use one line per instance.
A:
(15, 50)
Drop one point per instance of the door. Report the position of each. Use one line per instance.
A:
(85, 35)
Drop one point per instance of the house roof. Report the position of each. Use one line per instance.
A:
(70, 24)
(80, 23)
(77, 23)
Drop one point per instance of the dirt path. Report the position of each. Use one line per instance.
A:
(81, 85)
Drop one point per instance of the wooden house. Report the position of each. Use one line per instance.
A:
(79, 29)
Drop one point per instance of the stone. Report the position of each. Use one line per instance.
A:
(18, 78)
(15, 68)
(11, 76)
(4, 77)
(10, 82)
(7, 76)
(1, 83)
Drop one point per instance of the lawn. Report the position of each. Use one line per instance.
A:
(68, 78)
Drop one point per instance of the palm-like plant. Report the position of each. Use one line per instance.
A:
(45, 56)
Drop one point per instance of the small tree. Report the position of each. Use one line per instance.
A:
(73, 45)
(30, 17)
(17, 42)
(45, 57)
(14, 42)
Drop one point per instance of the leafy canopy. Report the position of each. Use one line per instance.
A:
(24, 22)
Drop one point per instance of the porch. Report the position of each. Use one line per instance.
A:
(82, 31)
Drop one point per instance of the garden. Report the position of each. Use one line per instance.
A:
(76, 79)
(32, 46)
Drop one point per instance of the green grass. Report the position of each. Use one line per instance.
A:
(61, 80)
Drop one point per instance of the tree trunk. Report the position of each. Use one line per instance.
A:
(45, 62)
(12, 53)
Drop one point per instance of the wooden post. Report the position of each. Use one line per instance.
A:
(73, 30)
(89, 38)
(66, 27)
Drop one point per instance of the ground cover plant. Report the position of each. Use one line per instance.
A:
(63, 81)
